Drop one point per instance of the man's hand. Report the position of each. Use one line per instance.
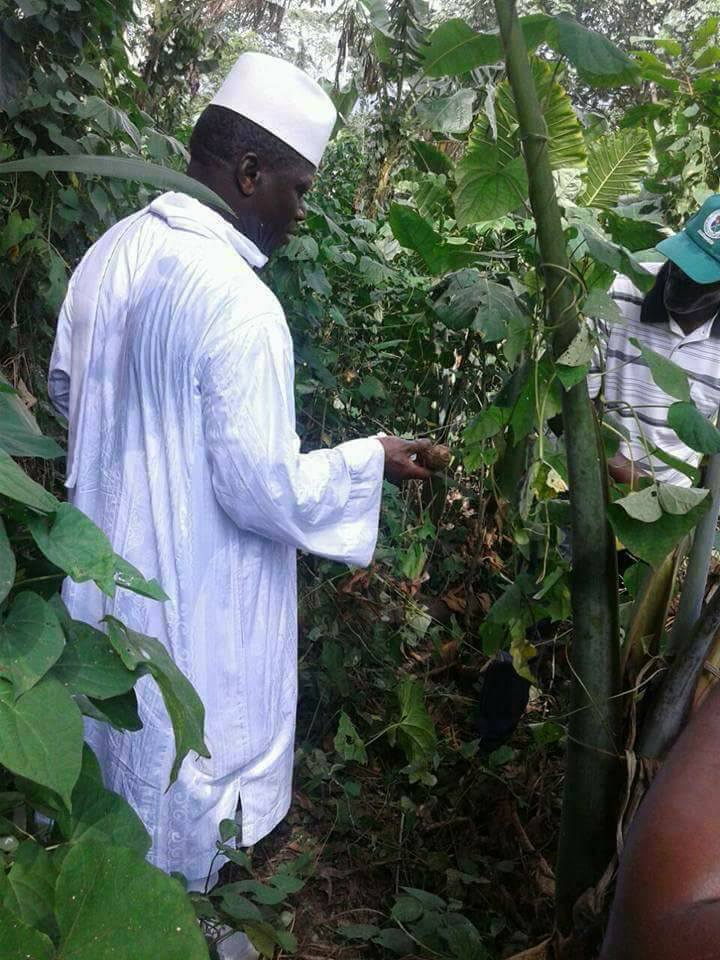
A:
(623, 470)
(399, 464)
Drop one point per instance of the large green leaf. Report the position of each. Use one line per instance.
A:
(7, 563)
(693, 428)
(652, 542)
(17, 485)
(31, 641)
(76, 545)
(348, 742)
(90, 665)
(642, 505)
(472, 300)
(598, 61)
(31, 883)
(41, 735)
(112, 905)
(491, 180)
(667, 375)
(415, 730)
(414, 232)
(679, 500)
(430, 159)
(620, 259)
(124, 168)
(455, 48)
(616, 165)
(20, 435)
(21, 942)
(451, 114)
(632, 233)
(183, 705)
(130, 578)
(566, 144)
(100, 814)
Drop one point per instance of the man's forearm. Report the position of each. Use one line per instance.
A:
(667, 902)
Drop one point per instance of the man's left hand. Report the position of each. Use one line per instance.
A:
(401, 459)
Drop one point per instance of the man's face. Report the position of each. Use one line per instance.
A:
(684, 297)
(277, 205)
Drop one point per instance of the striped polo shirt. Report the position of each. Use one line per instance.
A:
(632, 400)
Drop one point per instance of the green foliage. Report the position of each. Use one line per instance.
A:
(417, 306)
(80, 888)
(616, 164)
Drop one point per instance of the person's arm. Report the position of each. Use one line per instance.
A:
(623, 470)
(325, 502)
(60, 361)
(667, 904)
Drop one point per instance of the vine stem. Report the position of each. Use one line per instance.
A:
(593, 775)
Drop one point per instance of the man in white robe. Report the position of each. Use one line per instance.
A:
(174, 366)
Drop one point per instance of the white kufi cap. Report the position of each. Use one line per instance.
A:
(281, 98)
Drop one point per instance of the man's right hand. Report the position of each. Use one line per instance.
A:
(623, 470)
(398, 463)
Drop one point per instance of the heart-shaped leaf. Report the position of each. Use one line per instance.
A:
(31, 641)
(41, 735)
(113, 905)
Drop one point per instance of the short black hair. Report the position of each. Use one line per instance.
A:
(221, 135)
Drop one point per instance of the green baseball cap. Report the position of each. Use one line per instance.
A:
(696, 249)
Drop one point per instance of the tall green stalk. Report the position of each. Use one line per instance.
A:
(592, 783)
(672, 704)
(693, 590)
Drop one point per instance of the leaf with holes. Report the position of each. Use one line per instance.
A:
(653, 542)
(348, 742)
(642, 505)
(415, 729)
(579, 351)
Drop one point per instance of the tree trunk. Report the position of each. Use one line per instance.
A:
(593, 777)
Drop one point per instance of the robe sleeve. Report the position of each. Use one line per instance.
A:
(60, 361)
(326, 502)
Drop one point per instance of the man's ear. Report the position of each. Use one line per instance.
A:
(246, 174)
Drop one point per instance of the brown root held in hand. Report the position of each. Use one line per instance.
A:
(436, 457)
